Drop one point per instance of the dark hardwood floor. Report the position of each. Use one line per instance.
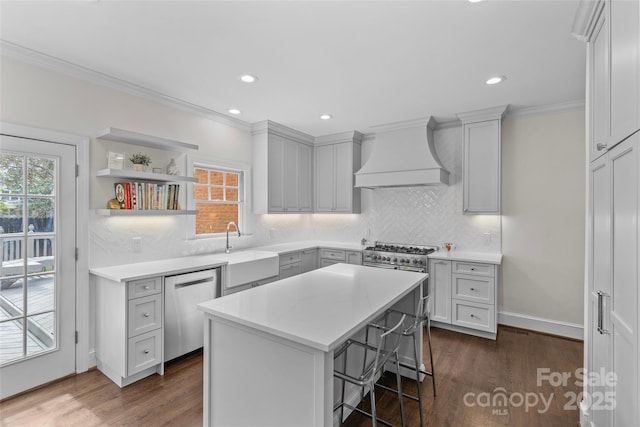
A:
(480, 369)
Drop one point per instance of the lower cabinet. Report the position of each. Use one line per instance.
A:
(294, 263)
(129, 334)
(245, 286)
(290, 264)
(309, 260)
(464, 296)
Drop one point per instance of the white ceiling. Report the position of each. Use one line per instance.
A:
(364, 62)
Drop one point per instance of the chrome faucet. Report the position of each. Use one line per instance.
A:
(228, 248)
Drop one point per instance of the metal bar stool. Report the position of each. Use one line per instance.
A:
(415, 327)
(385, 351)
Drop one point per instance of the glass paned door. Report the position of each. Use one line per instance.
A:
(37, 269)
(27, 234)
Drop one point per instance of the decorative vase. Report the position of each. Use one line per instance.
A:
(172, 169)
(137, 167)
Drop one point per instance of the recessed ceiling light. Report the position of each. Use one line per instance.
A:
(234, 111)
(326, 116)
(495, 80)
(248, 78)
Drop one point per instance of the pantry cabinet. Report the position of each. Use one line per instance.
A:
(337, 157)
(283, 169)
(612, 32)
(464, 296)
(481, 160)
(613, 69)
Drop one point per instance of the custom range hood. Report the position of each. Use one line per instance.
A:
(403, 155)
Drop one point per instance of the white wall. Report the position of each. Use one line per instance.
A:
(543, 222)
(543, 190)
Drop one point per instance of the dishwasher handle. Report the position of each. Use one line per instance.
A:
(193, 282)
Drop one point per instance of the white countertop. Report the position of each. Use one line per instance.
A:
(486, 257)
(163, 267)
(321, 308)
(283, 248)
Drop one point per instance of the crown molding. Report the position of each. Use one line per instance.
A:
(51, 63)
(539, 110)
(492, 113)
(350, 136)
(585, 19)
(281, 130)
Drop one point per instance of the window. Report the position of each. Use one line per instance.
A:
(219, 198)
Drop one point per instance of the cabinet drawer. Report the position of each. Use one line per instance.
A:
(334, 254)
(473, 288)
(290, 270)
(144, 287)
(473, 268)
(145, 314)
(473, 315)
(290, 258)
(144, 351)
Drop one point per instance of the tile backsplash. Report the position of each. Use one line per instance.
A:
(417, 215)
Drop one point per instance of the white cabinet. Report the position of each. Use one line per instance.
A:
(290, 264)
(129, 329)
(613, 70)
(440, 287)
(613, 295)
(354, 257)
(612, 30)
(481, 160)
(283, 169)
(337, 158)
(464, 296)
(309, 260)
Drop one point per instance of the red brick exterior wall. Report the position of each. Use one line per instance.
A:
(217, 186)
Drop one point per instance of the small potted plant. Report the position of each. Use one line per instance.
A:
(140, 161)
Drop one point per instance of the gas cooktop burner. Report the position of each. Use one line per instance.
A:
(418, 250)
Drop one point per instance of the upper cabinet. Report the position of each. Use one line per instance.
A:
(612, 30)
(283, 169)
(481, 160)
(337, 158)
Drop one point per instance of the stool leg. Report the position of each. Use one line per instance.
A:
(399, 385)
(344, 384)
(433, 372)
(418, 384)
(372, 394)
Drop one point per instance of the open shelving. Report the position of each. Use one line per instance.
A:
(144, 212)
(143, 176)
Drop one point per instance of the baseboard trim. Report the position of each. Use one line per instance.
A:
(538, 324)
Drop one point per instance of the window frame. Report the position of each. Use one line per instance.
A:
(244, 188)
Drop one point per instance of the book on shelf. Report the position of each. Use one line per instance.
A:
(147, 196)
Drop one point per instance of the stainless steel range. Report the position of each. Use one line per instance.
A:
(397, 256)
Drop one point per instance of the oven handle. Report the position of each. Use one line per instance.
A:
(388, 267)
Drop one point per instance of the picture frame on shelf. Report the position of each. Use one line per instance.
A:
(115, 160)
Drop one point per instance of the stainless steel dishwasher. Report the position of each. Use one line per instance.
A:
(183, 322)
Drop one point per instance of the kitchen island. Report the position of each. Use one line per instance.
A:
(268, 352)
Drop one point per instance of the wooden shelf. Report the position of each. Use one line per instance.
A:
(143, 176)
(144, 212)
(129, 137)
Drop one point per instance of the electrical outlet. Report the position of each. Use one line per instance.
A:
(487, 238)
(136, 244)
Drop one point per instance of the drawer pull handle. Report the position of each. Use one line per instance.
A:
(146, 351)
(472, 289)
(473, 269)
(146, 315)
(471, 315)
(145, 287)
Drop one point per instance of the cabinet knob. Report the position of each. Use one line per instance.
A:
(473, 269)
(600, 146)
(472, 289)
(145, 287)
(146, 315)
(471, 315)
(146, 351)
